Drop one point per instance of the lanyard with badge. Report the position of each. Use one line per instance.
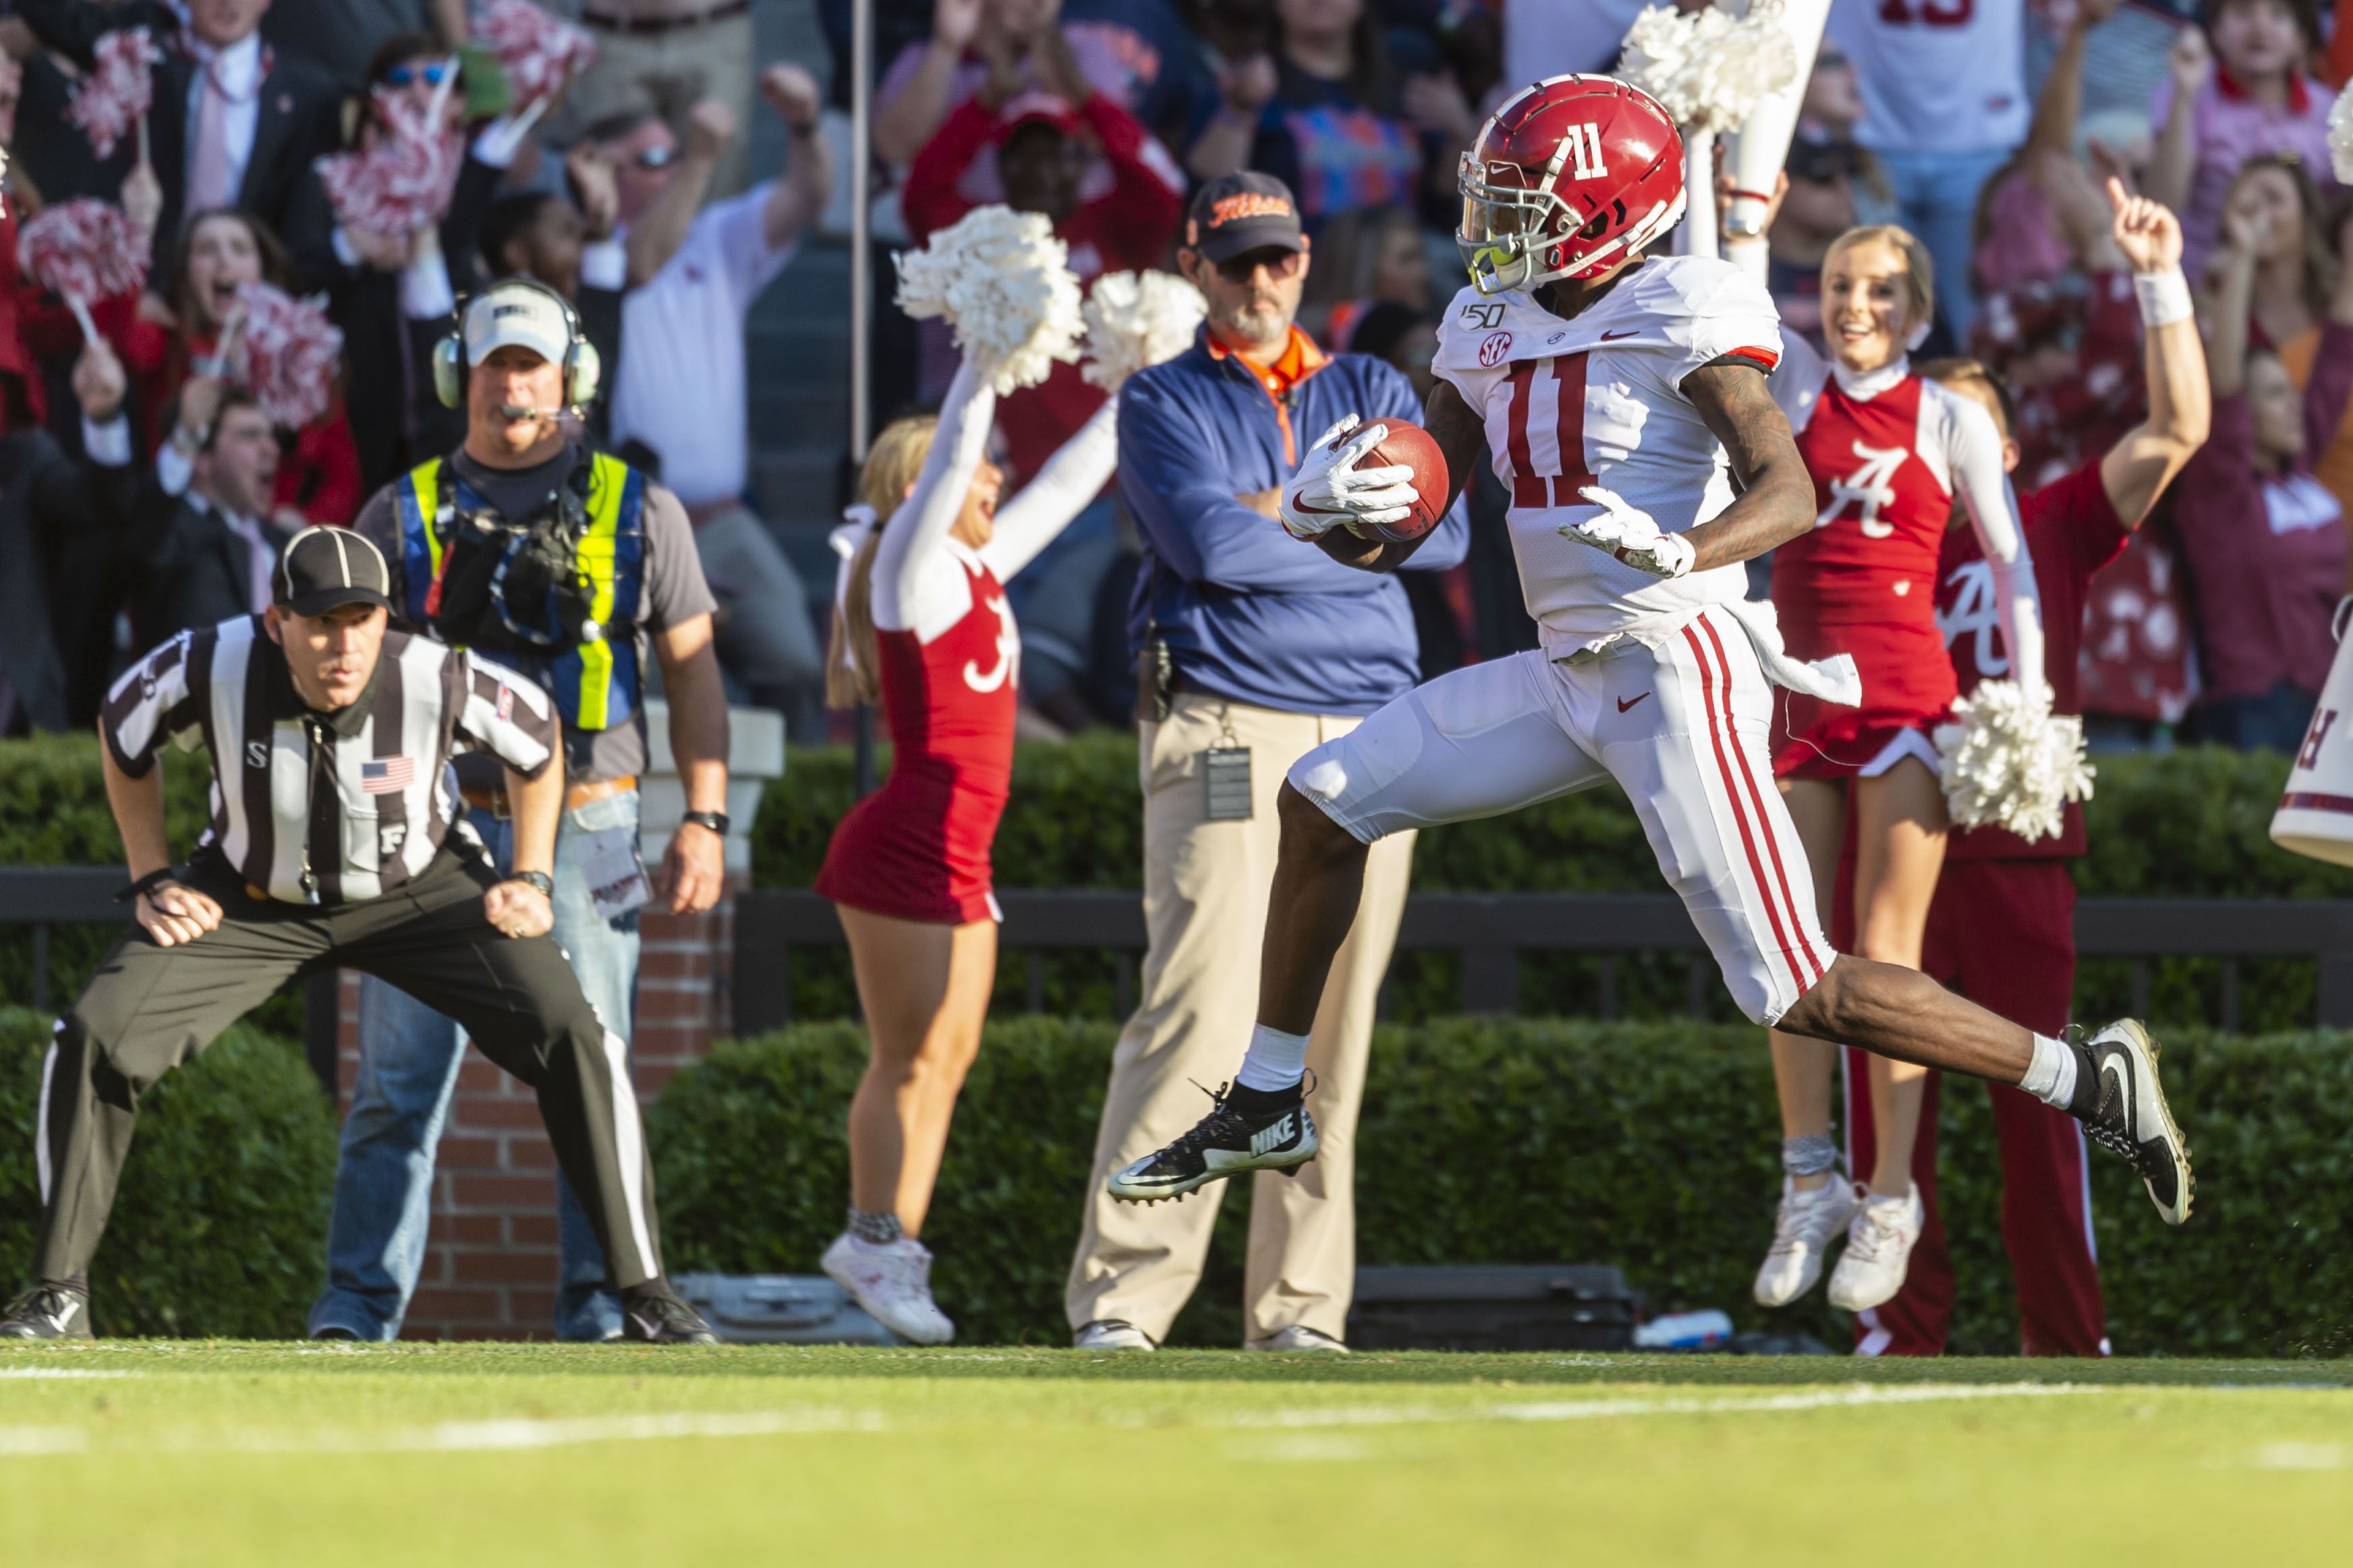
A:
(1225, 774)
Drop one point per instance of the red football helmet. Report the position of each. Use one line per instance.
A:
(1570, 178)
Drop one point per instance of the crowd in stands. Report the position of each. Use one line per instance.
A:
(135, 504)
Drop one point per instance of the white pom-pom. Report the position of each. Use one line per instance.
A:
(2340, 136)
(2010, 761)
(1138, 319)
(1707, 68)
(1003, 280)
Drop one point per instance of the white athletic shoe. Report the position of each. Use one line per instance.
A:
(1801, 1235)
(1878, 1242)
(1297, 1338)
(893, 1283)
(1112, 1334)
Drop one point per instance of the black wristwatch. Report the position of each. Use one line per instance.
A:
(715, 820)
(540, 879)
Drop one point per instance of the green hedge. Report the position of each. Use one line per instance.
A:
(1650, 1146)
(220, 1225)
(2188, 823)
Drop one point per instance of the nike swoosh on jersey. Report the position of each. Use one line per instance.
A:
(1626, 702)
(1614, 337)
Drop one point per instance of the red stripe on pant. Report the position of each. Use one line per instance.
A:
(2001, 932)
(1719, 729)
(1805, 947)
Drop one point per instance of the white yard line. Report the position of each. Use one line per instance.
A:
(515, 1433)
(46, 1371)
(42, 1440)
(1599, 1409)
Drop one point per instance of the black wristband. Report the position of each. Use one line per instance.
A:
(540, 879)
(715, 820)
(144, 885)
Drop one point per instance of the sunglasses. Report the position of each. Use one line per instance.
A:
(1281, 265)
(430, 75)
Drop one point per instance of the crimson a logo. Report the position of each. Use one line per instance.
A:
(1491, 352)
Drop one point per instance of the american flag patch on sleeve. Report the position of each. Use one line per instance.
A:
(388, 775)
(506, 703)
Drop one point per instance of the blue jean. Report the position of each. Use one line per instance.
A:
(1936, 199)
(408, 1069)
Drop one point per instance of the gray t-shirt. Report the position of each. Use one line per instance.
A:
(673, 591)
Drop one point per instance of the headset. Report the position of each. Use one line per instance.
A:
(584, 367)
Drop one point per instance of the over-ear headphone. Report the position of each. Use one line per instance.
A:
(584, 367)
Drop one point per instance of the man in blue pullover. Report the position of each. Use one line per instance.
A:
(1253, 647)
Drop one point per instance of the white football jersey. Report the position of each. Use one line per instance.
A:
(1596, 400)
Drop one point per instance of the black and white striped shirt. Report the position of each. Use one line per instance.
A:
(326, 808)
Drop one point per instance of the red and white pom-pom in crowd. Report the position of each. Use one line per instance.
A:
(289, 350)
(404, 181)
(84, 250)
(110, 100)
(539, 52)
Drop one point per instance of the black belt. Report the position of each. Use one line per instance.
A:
(655, 26)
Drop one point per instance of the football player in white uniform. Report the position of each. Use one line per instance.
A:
(1623, 401)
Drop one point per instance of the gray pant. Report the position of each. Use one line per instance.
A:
(150, 1008)
(765, 639)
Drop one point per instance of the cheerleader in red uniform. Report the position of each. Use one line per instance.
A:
(922, 624)
(1890, 453)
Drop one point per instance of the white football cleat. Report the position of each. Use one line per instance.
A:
(894, 1282)
(1297, 1339)
(1112, 1334)
(1801, 1235)
(1878, 1242)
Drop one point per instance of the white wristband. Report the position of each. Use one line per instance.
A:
(2164, 297)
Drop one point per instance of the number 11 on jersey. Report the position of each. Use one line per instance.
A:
(1547, 465)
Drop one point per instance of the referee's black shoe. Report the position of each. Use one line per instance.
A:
(1245, 1130)
(652, 1315)
(47, 1312)
(2122, 1107)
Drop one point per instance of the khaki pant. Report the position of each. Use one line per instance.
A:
(665, 73)
(1204, 896)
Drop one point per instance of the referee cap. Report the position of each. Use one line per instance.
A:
(324, 568)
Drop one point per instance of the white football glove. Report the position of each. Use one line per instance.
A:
(1632, 535)
(1329, 489)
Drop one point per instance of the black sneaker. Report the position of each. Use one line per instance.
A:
(2123, 1108)
(47, 1312)
(1245, 1131)
(657, 1318)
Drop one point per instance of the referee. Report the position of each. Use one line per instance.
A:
(333, 843)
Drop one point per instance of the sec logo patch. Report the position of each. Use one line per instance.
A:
(1491, 352)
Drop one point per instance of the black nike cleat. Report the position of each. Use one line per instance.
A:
(1245, 1131)
(47, 1312)
(2123, 1110)
(658, 1318)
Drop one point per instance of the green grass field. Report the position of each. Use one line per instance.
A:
(134, 1453)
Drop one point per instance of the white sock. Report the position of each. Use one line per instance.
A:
(1276, 1061)
(2050, 1076)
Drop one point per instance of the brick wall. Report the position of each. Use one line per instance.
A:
(490, 1267)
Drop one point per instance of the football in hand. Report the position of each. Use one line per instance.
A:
(1410, 446)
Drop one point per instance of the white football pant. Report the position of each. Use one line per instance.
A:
(1683, 729)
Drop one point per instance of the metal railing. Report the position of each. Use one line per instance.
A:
(1490, 931)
